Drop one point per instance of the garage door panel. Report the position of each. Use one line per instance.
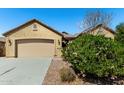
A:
(35, 48)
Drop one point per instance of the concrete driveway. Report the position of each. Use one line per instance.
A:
(23, 71)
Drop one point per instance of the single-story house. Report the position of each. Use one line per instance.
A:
(2, 46)
(33, 39)
(99, 30)
(36, 39)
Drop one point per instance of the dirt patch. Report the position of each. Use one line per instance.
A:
(53, 77)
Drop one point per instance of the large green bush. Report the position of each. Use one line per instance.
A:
(96, 55)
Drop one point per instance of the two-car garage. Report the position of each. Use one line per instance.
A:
(35, 48)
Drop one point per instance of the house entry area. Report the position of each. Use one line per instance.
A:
(35, 48)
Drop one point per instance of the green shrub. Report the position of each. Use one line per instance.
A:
(67, 74)
(96, 55)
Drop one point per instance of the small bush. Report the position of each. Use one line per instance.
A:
(67, 74)
(96, 55)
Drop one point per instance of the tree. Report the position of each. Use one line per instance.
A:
(93, 18)
(120, 33)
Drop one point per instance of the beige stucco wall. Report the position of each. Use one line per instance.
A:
(28, 33)
(104, 32)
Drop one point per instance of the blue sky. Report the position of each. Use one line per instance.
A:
(61, 19)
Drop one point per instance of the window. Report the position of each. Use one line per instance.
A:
(34, 27)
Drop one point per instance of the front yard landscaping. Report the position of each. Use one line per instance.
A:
(53, 76)
(90, 60)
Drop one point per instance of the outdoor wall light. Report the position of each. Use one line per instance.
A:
(9, 42)
(58, 42)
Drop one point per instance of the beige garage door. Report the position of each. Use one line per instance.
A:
(35, 48)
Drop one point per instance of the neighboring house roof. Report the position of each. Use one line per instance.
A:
(29, 22)
(2, 39)
(93, 28)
